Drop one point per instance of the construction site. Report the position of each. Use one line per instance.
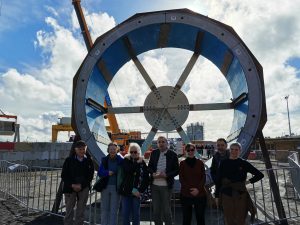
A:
(30, 172)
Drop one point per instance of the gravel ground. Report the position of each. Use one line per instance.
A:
(12, 213)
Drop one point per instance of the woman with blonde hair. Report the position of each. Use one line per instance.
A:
(135, 182)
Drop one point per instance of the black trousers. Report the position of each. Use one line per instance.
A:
(188, 204)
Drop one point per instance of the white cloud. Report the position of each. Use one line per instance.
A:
(39, 127)
(98, 23)
(52, 10)
(45, 93)
(28, 89)
(271, 31)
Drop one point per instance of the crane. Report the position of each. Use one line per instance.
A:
(120, 137)
(64, 124)
(9, 126)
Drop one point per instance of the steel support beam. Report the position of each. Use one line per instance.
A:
(273, 183)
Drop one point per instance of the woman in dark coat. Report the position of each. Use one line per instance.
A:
(135, 182)
(192, 193)
(231, 186)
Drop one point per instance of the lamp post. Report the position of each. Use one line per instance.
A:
(287, 106)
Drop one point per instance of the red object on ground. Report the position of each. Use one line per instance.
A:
(252, 155)
(148, 153)
(7, 146)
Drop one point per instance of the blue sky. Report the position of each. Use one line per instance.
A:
(41, 49)
(23, 19)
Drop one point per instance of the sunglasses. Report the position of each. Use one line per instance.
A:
(190, 150)
(133, 152)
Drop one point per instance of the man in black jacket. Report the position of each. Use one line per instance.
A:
(77, 174)
(221, 154)
(163, 167)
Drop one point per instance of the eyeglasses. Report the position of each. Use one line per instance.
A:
(133, 152)
(190, 150)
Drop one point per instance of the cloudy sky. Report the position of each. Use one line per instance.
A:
(41, 48)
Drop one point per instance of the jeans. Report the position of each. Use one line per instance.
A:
(161, 199)
(131, 208)
(110, 202)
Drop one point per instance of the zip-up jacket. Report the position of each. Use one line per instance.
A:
(77, 172)
(136, 176)
(103, 171)
(172, 165)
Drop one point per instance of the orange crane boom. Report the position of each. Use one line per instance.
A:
(113, 124)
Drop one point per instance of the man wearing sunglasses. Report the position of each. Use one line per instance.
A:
(163, 167)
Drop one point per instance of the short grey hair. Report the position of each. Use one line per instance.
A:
(236, 144)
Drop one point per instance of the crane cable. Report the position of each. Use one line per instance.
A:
(119, 100)
(0, 109)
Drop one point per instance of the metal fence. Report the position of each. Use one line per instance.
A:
(295, 175)
(36, 188)
(44, 183)
(263, 198)
(14, 181)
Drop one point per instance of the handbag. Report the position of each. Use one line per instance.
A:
(100, 184)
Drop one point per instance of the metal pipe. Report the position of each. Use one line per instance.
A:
(288, 112)
(274, 186)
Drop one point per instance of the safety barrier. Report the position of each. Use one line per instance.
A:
(36, 189)
(14, 181)
(295, 175)
(263, 198)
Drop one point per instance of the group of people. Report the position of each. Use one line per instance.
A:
(126, 180)
(208, 148)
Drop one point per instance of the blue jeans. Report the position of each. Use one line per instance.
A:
(131, 207)
(110, 202)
